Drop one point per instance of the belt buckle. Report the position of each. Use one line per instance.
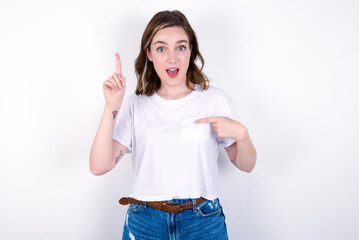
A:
(180, 207)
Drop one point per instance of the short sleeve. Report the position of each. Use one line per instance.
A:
(231, 113)
(123, 128)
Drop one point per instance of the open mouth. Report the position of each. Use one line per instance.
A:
(172, 72)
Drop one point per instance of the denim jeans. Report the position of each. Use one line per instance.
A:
(205, 221)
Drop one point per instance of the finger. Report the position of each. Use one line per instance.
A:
(206, 120)
(109, 84)
(117, 80)
(112, 80)
(123, 82)
(118, 64)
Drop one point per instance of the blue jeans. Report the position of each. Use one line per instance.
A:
(205, 221)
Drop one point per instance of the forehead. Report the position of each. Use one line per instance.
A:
(170, 35)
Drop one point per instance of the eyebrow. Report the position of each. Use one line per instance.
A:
(164, 43)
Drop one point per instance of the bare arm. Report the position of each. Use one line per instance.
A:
(105, 152)
(242, 153)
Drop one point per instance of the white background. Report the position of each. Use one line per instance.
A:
(290, 66)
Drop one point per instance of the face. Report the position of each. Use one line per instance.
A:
(170, 53)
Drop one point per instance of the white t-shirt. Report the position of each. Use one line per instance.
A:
(171, 156)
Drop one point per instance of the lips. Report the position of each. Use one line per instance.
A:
(172, 72)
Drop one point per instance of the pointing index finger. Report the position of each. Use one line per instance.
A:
(206, 120)
(118, 65)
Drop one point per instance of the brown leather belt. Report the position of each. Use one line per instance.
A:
(172, 207)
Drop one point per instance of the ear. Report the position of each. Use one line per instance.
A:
(149, 56)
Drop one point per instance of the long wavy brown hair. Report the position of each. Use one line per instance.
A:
(148, 82)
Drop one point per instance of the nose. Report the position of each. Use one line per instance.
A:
(171, 57)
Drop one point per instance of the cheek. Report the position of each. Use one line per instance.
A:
(158, 64)
(158, 61)
(187, 56)
(185, 59)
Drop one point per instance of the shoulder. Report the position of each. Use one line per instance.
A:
(217, 90)
(216, 93)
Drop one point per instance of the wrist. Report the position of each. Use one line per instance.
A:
(113, 106)
(241, 134)
(112, 110)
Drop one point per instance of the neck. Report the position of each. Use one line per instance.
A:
(174, 92)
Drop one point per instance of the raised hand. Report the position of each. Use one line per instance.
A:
(114, 86)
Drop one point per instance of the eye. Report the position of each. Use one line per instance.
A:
(182, 48)
(160, 49)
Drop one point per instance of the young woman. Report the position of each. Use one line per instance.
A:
(173, 125)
